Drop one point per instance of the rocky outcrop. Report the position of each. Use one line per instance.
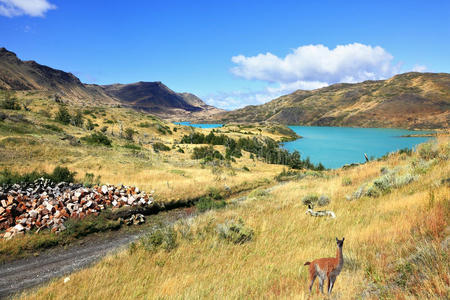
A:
(44, 204)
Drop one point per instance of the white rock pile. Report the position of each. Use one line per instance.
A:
(43, 204)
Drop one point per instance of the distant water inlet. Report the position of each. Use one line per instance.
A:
(337, 146)
(199, 125)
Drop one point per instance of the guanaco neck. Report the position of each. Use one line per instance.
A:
(339, 256)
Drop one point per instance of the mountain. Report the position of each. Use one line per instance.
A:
(148, 96)
(409, 100)
(16, 74)
(151, 97)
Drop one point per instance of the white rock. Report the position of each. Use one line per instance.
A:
(19, 227)
(66, 280)
(114, 203)
(104, 189)
(33, 213)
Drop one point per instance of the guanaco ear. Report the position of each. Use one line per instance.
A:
(337, 240)
(343, 238)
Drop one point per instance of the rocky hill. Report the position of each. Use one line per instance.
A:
(43, 81)
(19, 75)
(410, 100)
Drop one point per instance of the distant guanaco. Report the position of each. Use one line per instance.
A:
(326, 268)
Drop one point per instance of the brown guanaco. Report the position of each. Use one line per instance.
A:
(326, 268)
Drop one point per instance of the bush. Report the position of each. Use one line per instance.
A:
(104, 129)
(323, 200)
(207, 152)
(207, 203)
(97, 138)
(63, 115)
(77, 119)
(52, 127)
(62, 174)
(10, 102)
(59, 174)
(428, 151)
(158, 146)
(132, 146)
(90, 126)
(162, 237)
(129, 133)
(310, 200)
(236, 233)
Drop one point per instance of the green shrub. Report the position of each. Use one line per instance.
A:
(144, 125)
(323, 200)
(428, 151)
(9, 102)
(180, 150)
(97, 138)
(310, 200)
(77, 119)
(158, 146)
(63, 115)
(160, 238)
(104, 129)
(62, 174)
(245, 168)
(132, 146)
(59, 174)
(53, 127)
(90, 126)
(235, 232)
(129, 133)
(207, 203)
(207, 153)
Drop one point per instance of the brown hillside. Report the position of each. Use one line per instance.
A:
(410, 100)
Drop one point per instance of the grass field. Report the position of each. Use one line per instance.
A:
(396, 241)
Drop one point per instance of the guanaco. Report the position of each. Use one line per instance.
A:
(326, 268)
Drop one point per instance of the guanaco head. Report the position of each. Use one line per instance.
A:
(340, 243)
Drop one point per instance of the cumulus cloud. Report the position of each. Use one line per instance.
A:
(34, 8)
(307, 67)
(317, 63)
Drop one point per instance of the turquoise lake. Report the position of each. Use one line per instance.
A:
(199, 125)
(337, 146)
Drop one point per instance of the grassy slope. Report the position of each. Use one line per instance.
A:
(393, 245)
(28, 145)
(410, 100)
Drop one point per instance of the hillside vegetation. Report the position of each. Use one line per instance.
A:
(410, 100)
(393, 214)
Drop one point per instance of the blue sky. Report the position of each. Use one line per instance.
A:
(230, 53)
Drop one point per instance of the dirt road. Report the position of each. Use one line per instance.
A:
(19, 275)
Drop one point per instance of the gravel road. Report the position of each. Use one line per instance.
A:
(19, 275)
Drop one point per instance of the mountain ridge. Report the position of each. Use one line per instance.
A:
(151, 97)
(408, 100)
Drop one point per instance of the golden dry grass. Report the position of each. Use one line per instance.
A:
(381, 236)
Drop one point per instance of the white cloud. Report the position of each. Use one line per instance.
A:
(419, 68)
(345, 63)
(34, 8)
(307, 67)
